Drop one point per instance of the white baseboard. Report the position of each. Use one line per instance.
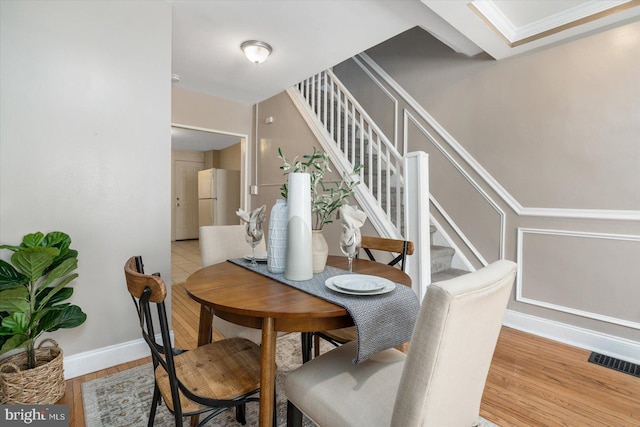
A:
(621, 348)
(609, 345)
(105, 357)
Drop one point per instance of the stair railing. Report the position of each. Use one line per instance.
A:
(350, 136)
(356, 139)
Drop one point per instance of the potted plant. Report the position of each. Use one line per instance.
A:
(33, 291)
(326, 197)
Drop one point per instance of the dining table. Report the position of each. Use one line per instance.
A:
(245, 297)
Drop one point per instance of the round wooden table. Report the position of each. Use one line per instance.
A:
(241, 296)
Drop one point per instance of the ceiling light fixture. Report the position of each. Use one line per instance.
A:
(256, 51)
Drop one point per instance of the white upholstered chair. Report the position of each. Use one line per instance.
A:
(439, 382)
(219, 243)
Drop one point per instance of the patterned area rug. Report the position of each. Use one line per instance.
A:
(124, 399)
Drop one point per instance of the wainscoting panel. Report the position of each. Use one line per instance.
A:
(581, 273)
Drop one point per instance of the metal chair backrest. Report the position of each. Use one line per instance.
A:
(146, 289)
(401, 247)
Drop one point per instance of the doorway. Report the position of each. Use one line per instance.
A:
(194, 149)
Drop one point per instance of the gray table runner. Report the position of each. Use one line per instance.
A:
(383, 321)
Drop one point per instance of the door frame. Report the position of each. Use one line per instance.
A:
(245, 161)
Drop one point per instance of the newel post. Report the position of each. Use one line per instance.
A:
(417, 219)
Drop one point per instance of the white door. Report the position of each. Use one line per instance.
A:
(186, 202)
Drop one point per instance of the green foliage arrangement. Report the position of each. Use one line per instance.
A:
(32, 290)
(326, 198)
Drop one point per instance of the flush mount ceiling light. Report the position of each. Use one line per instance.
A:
(256, 51)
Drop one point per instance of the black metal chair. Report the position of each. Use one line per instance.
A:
(206, 380)
(341, 336)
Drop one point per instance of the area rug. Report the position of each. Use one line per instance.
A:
(124, 399)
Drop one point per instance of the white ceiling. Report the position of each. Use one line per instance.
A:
(312, 35)
(307, 37)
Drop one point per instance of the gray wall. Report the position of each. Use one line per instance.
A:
(85, 146)
(557, 129)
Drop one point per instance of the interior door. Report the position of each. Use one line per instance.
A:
(186, 193)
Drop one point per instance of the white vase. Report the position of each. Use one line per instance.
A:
(320, 251)
(277, 239)
(299, 261)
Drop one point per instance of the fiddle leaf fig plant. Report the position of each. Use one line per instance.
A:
(33, 288)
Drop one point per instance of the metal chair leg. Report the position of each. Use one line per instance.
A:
(294, 415)
(306, 346)
(241, 411)
(154, 405)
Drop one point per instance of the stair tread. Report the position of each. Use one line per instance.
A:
(447, 274)
(441, 250)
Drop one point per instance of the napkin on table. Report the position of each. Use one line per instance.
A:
(352, 219)
(254, 220)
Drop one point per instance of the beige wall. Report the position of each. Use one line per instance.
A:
(230, 157)
(192, 109)
(557, 128)
(209, 112)
(290, 133)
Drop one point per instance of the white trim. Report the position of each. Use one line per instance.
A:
(599, 342)
(244, 159)
(390, 96)
(622, 215)
(416, 201)
(558, 307)
(459, 232)
(106, 357)
(512, 33)
(470, 180)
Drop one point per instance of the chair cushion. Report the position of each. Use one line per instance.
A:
(372, 384)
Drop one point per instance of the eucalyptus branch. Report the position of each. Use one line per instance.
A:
(326, 198)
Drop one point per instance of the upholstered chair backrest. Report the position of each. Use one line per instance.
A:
(452, 347)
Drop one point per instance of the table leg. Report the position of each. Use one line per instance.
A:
(205, 327)
(267, 372)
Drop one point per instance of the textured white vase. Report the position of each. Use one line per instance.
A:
(320, 251)
(299, 260)
(277, 239)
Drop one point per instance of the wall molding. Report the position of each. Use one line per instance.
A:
(389, 95)
(245, 160)
(587, 339)
(501, 250)
(106, 357)
(605, 214)
(557, 307)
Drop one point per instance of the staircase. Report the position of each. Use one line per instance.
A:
(350, 137)
(441, 257)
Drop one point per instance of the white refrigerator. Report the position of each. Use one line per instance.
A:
(218, 197)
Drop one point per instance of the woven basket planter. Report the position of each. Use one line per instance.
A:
(42, 385)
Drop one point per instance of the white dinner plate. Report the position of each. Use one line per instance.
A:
(388, 287)
(260, 257)
(359, 283)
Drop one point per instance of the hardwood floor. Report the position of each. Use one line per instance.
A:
(533, 381)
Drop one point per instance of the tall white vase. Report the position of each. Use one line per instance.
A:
(299, 259)
(277, 239)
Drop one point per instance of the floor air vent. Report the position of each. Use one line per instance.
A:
(616, 364)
